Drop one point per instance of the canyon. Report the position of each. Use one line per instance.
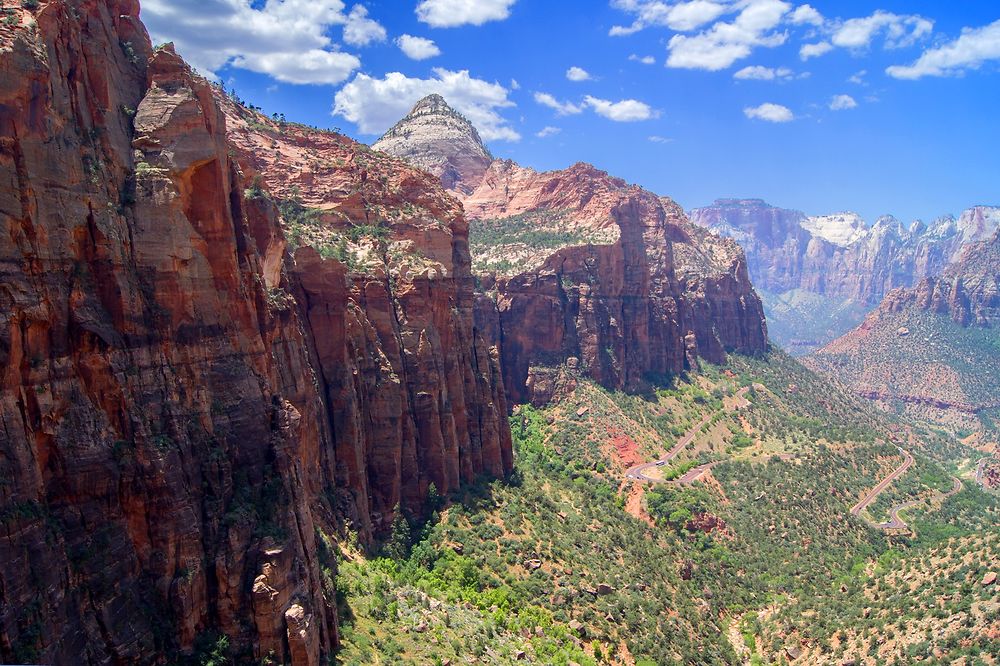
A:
(591, 276)
(229, 341)
(193, 409)
(820, 276)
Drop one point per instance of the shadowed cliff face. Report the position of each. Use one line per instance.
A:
(186, 410)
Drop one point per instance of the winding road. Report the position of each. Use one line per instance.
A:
(897, 523)
(638, 472)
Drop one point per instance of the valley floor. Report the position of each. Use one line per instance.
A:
(741, 549)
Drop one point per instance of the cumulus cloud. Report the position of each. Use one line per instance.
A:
(286, 39)
(546, 132)
(815, 50)
(453, 13)
(375, 104)
(973, 48)
(417, 48)
(645, 60)
(577, 74)
(760, 73)
(899, 31)
(679, 16)
(806, 15)
(772, 113)
(842, 103)
(725, 43)
(625, 111)
(361, 30)
(561, 108)
(858, 78)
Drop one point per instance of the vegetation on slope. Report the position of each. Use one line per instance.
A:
(758, 561)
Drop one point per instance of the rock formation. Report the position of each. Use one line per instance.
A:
(438, 139)
(819, 276)
(188, 412)
(589, 271)
(930, 348)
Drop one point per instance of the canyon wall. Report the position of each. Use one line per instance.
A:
(585, 271)
(189, 412)
(649, 304)
(820, 275)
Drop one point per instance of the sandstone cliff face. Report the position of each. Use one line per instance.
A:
(931, 348)
(651, 302)
(587, 271)
(835, 263)
(436, 138)
(186, 410)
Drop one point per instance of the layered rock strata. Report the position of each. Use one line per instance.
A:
(188, 414)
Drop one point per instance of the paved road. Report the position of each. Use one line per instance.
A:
(980, 470)
(638, 472)
(897, 523)
(867, 500)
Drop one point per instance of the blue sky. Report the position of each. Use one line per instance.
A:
(877, 106)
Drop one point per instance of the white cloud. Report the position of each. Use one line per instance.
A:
(655, 138)
(561, 108)
(417, 48)
(806, 15)
(973, 48)
(375, 104)
(547, 132)
(361, 30)
(772, 113)
(815, 50)
(286, 39)
(577, 74)
(514, 85)
(859, 78)
(312, 66)
(679, 16)
(900, 31)
(645, 60)
(725, 43)
(760, 73)
(453, 13)
(842, 103)
(625, 111)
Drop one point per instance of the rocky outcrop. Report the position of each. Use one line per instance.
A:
(648, 304)
(188, 414)
(835, 263)
(438, 139)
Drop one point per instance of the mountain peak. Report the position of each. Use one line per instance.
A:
(433, 103)
(435, 137)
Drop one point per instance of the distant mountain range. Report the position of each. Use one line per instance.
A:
(820, 275)
(932, 350)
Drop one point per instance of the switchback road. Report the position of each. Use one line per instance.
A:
(638, 472)
(897, 523)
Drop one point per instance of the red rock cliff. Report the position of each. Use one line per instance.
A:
(634, 291)
(186, 411)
